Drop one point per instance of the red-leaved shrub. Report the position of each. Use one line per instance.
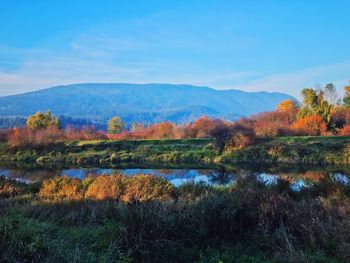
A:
(274, 123)
(312, 125)
(345, 131)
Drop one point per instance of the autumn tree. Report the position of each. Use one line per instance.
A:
(288, 105)
(221, 134)
(115, 125)
(41, 120)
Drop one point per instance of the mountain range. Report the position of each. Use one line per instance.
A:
(146, 103)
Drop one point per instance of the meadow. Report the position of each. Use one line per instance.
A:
(298, 149)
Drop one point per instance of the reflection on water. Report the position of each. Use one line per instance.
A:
(298, 178)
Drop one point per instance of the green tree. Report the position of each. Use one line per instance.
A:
(346, 98)
(315, 103)
(115, 125)
(42, 120)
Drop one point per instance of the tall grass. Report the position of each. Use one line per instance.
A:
(144, 219)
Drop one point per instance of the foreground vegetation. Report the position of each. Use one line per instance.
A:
(145, 219)
(307, 150)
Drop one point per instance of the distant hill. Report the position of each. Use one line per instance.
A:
(147, 103)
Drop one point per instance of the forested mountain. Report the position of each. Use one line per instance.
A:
(147, 103)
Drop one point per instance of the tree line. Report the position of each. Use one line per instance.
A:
(320, 113)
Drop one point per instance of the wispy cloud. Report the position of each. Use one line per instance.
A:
(153, 49)
(293, 82)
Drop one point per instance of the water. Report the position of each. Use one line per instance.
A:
(298, 176)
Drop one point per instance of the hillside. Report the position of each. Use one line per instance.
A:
(140, 102)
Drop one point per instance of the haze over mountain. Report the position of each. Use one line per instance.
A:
(147, 103)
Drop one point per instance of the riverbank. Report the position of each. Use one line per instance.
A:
(145, 219)
(293, 150)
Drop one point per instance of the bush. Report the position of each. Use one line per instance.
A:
(345, 131)
(143, 187)
(9, 188)
(105, 187)
(240, 137)
(275, 123)
(4, 133)
(62, 187)
(340, 116)
(313, 125)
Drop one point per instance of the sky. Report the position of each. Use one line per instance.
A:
(279, 45)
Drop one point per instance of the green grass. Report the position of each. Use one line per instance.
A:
(307, 150)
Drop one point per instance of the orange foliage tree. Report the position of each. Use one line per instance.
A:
(287, 106)
(310, 125)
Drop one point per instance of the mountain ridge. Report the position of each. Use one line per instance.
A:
(101, 101)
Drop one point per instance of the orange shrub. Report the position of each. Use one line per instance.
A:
(201, 128)
(345, 131)
(240, 137)
(62, 187)
(274, 123)
(121, 136)
(143, 187)
(106, 187)
(312, 125)
(84, 133)
(19, 137)
(163, 130)
(48, 136)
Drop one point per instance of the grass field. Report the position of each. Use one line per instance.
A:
(307, 150)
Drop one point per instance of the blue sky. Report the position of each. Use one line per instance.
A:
(250, 45)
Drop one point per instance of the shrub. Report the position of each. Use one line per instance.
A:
(105, 187)
(340, 116)
(201, 128)
(143, 187)
(274, 123)
(193, 190)
(84, 133)
(240, 137)
(9, 188)
(221, 134)
(4, 134)
(62, 187)
(310, 125)
(345, 131)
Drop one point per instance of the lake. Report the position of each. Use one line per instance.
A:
(298, 175)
